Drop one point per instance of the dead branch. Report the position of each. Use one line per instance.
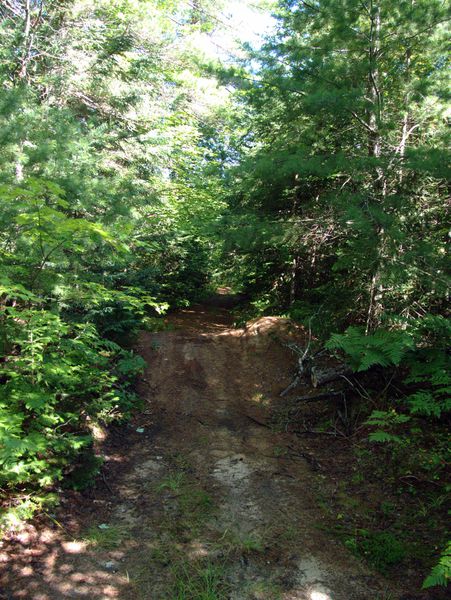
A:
(261, 423)
(303, 358)
(318, 397)
(322, 375)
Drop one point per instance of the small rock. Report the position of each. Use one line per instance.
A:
(110, 565)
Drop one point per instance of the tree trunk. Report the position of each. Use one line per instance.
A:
(374, 93)
(27, 43)
(374, 150)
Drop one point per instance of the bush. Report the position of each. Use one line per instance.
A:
(57, 379)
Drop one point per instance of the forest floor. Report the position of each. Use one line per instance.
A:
(199, 497)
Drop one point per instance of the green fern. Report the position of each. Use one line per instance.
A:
(384, 348)
(425, 402)
(441, 573)
(385, 420)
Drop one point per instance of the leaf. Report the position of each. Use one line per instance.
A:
(383, 437)
(441, 573)
(384, 347)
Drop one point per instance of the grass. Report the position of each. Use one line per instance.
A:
(279, 451)
(173, 483)
(195, 502)
(243, 544)
(251, 544)
(185, 579)
(203, 580)
(289, 534)
(193, 505)
(189, 574)
(263, 590)
(105, 538)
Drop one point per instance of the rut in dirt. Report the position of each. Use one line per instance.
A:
(200, 497)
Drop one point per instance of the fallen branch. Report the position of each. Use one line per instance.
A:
(335, 433)
(261, 423)
(405, 477)
(302, 361)
(320, 376)
(107, 485)
(308, 457)
(318, 397)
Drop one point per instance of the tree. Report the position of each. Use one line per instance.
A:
(103, 214)
(349, 96)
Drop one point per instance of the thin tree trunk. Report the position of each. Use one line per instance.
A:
(406, 124)
(375, 307)
(28, 42)
(296, 258)
(374, 93)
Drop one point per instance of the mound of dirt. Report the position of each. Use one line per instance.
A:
(274, 327)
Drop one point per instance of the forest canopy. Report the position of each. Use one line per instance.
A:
(143, 163)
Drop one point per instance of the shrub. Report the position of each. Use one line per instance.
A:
(58, 378)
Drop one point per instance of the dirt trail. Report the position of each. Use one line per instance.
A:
(198, 498)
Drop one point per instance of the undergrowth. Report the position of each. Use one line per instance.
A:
(58, 380)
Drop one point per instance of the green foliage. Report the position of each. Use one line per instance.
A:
(383, 550)
(430, 368)
(105, 216)
(386, 420)
(82, 473)
(202, 581)
(384, 348)
(341, 184)
(130, 181)
(441, 573)
(105, 537)
(58, 378)
(13, 517)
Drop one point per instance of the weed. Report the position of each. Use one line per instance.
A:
(14, 517)
(161, 556)
(387, 508)
(251, 544)
(201, 581)
(358, 478)
(182, 463)
(264, 590)
(194, 500)
(85, 471)
(243, 544)
(105, 538)
(193, 505)
(173, 483)
(382, 550)
(289, 534)
(279, 451)
(155, 345)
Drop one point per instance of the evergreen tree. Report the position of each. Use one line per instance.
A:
(349, 100)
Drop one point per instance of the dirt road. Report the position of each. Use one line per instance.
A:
(199, 498)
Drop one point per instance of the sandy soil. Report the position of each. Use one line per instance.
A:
(199, 497)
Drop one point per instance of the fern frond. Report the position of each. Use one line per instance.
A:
(441, 573)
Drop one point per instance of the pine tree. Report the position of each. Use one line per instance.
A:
(348, 100)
